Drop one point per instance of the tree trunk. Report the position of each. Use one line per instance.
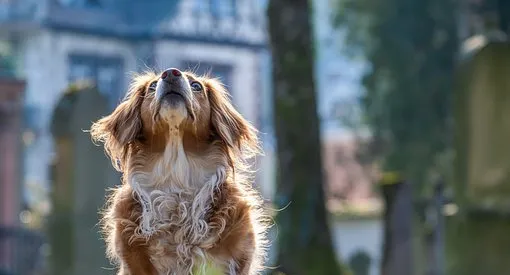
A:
(305, 244)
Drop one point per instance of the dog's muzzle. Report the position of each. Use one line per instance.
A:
(173, 88)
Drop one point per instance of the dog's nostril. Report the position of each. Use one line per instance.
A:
(172, 72)
(164, 75)
(175, 72)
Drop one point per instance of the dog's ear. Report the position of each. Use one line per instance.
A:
(228, 124)
(121, 127)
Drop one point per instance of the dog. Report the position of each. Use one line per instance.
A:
(186, 197)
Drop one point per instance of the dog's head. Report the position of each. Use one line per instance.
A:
(160, 108)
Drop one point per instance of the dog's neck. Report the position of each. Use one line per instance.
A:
(157, 178)
(174, 167)
(174, 162)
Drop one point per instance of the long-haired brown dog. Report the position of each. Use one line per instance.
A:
(186, 197)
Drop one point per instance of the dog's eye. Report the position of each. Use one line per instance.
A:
(153, 85)
(196, 86)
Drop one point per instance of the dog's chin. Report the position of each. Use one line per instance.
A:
(173, 111)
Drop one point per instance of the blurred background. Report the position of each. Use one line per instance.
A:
(385, 125)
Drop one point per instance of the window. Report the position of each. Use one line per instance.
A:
(105, 72)
(223, 8)
(201, 6)
(221, 71)
(81, 71)
(7, 59)
(108, 76)
(80, 3)
(93, 3)
(67, 2)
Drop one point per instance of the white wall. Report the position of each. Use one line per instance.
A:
(350, 236)
(45, 67)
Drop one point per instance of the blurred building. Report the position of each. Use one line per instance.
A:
(60, 41)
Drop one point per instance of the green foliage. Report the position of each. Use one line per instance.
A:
(210, 269)
(7, 60)
(6, 66)
(410, 47)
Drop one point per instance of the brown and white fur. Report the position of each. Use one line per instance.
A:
(186, 197)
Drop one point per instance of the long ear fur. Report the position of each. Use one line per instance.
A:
(122, 126)
(228, 124)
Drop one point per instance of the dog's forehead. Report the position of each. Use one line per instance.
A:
(206, 80)
(147, 79)
(193, 76)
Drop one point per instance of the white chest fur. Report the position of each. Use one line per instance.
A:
(178, 192)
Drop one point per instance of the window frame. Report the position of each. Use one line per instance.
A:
(219, 11)
(95, 63)
(201, 67)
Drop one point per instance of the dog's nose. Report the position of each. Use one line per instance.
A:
(172, 72)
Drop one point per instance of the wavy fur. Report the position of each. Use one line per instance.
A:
(187, 195)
